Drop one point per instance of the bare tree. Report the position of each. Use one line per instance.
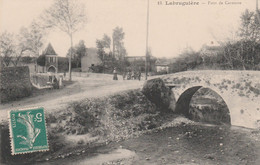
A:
(12, 48)
(19, 50)
(7, 47)
(31, 39)
(68, 16)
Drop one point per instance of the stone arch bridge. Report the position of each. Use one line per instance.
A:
(239, 89)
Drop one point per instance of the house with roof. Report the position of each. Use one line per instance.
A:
(162, 66)
(51, 59)
(134, 58)
(211, 49)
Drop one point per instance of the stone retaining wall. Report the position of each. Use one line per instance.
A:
(14, 83)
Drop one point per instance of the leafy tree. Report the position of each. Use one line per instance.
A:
(109, 59)
(63, 64)
(81, 51)
(104, 47)
(68, 16)
(41, 60)
(27, 59)
(241, 51)
(119, 50)
(242, 54)
(188, 59)
(101, 52)
(106, 41)
(250, 27)
(78, 52)
(249, 32)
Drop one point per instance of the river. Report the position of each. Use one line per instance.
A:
(181, 144)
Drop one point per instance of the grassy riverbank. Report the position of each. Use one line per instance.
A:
(93, 122)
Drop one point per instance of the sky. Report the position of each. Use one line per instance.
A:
(172, 28)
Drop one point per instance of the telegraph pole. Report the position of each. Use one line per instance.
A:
(256, 5)
(147, 33)
(256, 11)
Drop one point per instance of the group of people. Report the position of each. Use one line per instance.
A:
(129, 75)
(132, 75)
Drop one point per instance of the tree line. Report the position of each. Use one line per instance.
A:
(27, 42)
(241, 52)
(111, 51)
(67, 16)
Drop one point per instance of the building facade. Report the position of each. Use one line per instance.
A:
(51, 59)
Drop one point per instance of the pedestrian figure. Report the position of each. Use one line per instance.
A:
(55, 83)
(124, 75)
(139, 75)
(115, 74)
(50, 79)
(133, 75)
(128, 75)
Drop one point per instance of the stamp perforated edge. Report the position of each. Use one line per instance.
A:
(11, 131)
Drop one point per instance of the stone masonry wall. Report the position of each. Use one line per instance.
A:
(14, 83)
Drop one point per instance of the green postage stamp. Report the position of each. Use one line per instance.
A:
(28, 131)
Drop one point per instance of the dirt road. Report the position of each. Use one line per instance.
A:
(84, 86)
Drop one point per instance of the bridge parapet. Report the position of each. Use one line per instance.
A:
(239, 89)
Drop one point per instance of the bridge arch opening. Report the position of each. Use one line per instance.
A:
(204, 105)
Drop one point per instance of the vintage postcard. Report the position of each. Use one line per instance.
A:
(129, 82)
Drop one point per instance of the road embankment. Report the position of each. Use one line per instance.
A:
(89, 123)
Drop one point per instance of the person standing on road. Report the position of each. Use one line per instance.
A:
(139, 75)
(55, 83)
(115, 74)
(124, 75)
(133, 75)
(128, 75)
